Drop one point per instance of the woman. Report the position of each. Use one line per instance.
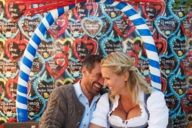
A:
(131, 102)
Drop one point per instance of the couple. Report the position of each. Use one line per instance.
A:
(130, 102)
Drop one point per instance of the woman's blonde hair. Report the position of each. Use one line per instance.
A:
(120, 63)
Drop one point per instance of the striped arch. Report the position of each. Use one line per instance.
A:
(30, 52)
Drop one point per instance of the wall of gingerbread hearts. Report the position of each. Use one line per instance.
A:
(94, 28)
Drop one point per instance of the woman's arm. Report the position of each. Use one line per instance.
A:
(158, 111)
(99, 118)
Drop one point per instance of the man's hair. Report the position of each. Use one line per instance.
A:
(90, 61)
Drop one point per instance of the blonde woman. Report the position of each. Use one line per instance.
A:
(126, 105)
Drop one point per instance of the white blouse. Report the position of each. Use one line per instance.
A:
(156, 106)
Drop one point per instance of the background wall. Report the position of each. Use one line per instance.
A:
(96, 29)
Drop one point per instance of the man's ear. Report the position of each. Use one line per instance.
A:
(83, 70)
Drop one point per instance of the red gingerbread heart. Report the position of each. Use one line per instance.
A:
(14, 48)
(59, 27)
(15, 10)
(57, 65)
(153, 9)
(83, 47)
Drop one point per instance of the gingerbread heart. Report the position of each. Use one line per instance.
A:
(167, 26)
(179, 46)
(110, 44)
(8, 109)
(153, 9)
(74, 68)
(28, 24)
(35, 108)
(46, 50)
(172, 103)
(92, 26)
(74, 29)
(83, 47)
(38, 67)
(15, 48)
(64, 45)
(177, 11)
(8, 29)
(45, 87)
(123, 27)
(186, 102)
(179, 85)
(14, 10)
(8, 69)
(168, 65)
(186, 25)
(59, 27)
(113, 13)
(186, 66)
(57, 65)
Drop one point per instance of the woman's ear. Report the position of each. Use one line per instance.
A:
(126, 76)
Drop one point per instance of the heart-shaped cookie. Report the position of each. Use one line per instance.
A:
(153, 9)
(14, 10)
(57, 65)
(8, 109)
(28, 24)
(172, 103)
(167, 26)
(38, 67)
(8, 69)
(123, 27)
(179, 46)
(8, 29)
(179, 85)
(83, 47)
(110, 44)
(35, 108)
(59, 27)
(186, 25)
(14, 48)
(168, 64)
(178, 10)
(186, 102)
(92, 26)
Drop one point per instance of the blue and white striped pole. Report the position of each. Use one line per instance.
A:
(29, 54)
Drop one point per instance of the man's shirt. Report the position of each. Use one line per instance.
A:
(87, 115)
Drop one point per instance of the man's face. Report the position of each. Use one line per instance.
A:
(94, 80)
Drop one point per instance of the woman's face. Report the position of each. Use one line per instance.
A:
(115, 83)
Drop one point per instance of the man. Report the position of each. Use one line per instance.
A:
(71, 106)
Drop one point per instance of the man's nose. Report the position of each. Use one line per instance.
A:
(101, 80)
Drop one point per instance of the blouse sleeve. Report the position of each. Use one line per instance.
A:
(158, 111)
(102, 109)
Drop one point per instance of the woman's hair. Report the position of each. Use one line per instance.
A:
(120, 63)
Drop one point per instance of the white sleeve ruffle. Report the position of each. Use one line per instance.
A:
(101, 111)
(158, 111)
